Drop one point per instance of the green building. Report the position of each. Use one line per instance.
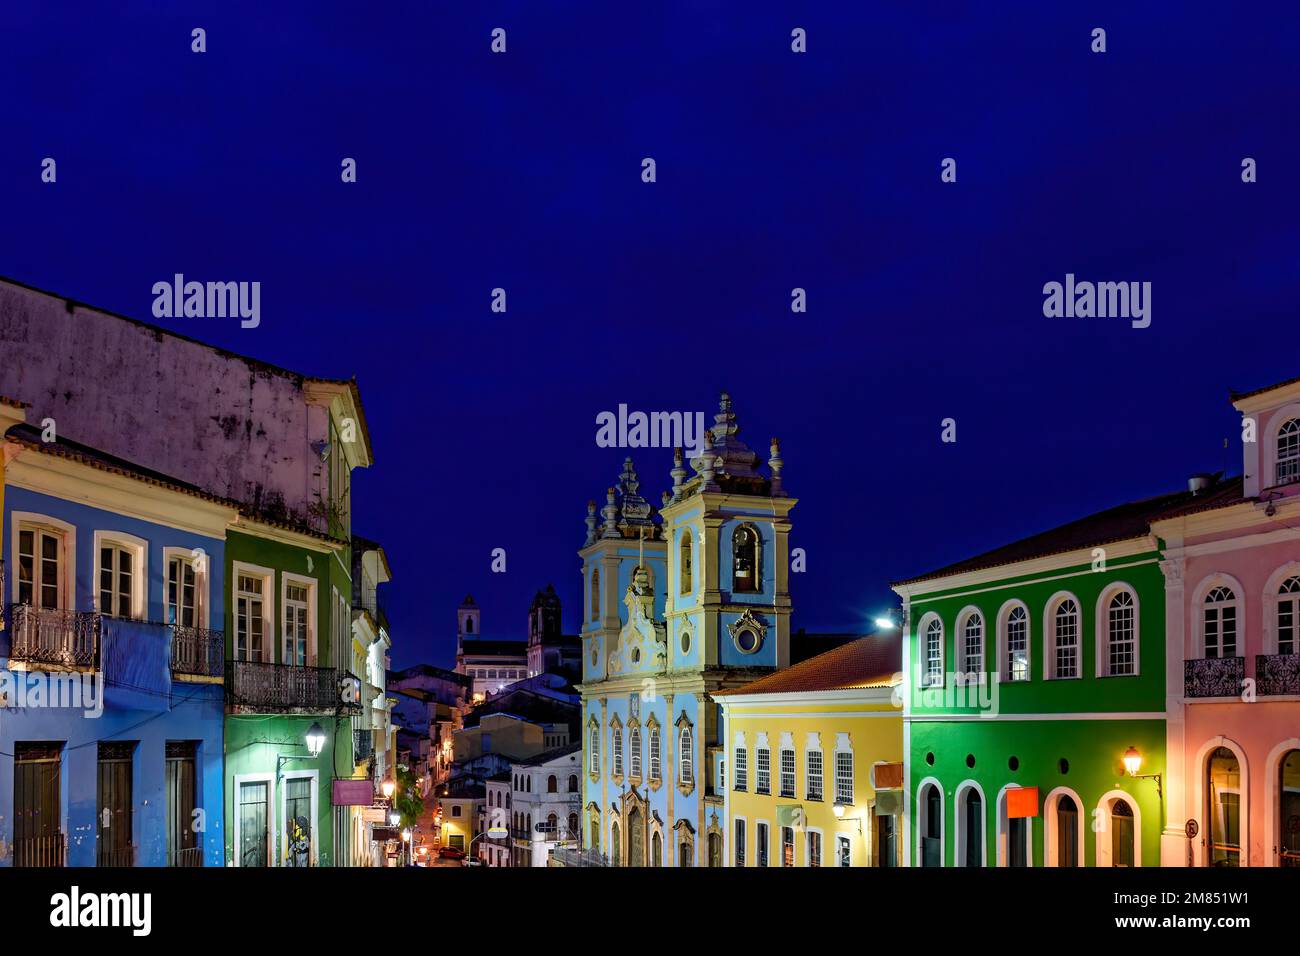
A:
(1032, 671)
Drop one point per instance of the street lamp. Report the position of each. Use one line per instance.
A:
(1133, 763)
(315, 739)
(394, 817)
(885, 623)
(389, 787)
(406, 838)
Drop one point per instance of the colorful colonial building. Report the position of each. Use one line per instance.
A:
(1032, 671)
(679, 605)
(110, 660)
(816, 761)
(1232, 568)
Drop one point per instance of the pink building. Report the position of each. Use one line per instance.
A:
(1232, 574)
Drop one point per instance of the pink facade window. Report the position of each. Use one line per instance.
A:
(1220, 622)
(1288, 615)
(1288, 452)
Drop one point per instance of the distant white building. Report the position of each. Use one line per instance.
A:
(496, 850)
(492, 664)
(545, 804)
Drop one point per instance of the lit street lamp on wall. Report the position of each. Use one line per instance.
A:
(1133, 763)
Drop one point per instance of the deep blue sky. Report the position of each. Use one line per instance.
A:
(775, 170)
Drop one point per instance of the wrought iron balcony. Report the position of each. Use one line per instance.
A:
(187, 857)
(256, 687)
(115, 856)
(1213, 676)
(53, 637)
(1277, 674)
(198, 651)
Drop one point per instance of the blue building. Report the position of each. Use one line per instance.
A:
(111, 661)
(678, 604)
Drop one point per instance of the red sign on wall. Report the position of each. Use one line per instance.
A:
(1022, 802)
(353, 793)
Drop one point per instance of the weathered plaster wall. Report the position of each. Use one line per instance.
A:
(231, 425)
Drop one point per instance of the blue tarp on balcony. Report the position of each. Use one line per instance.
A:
(136, 660)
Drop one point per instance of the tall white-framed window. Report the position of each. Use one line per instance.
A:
(787, 772)
(616, 747)
(1062, 630)
(1288, 453)
(814, 774)
(1287, 638)
(656, 755)
(45, 549)
(185, 601)
(593, 750)
(634, 746)
(970, 645)
(762, 770)
(1014, 641)
(299, 620)
(814, 857)
(1117, 632)
(931, 629)
(844, 776)
(252, 604)
(121, 575)
(741, 774)
(1219, 616)
(687, 751)
(739, 840)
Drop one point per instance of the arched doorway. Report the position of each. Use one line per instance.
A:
(635, 838)
(931, 826)
(1122, 836)
(715, 849)
(1288, 801)
(685, 853)
(614, 844)
(1067, 831)
(657, 849)
(1223, 808)
(971, 809)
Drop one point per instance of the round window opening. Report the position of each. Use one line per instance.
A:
(747, 641)
(1013, 763)
(686, 642)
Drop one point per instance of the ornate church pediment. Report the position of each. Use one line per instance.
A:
(747, 621)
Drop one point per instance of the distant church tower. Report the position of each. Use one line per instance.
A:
(676, 609)
(467, 625)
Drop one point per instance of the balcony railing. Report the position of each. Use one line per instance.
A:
(1277, 674)
(198, 651)
(259, 687)
(53, 637)
(41, 851)
(1213, 676)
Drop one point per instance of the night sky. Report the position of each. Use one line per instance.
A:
(775, 170)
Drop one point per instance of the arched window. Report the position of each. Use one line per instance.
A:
(687, 756)
(595, 833)
(1288, 616)
(618, 751)
(1220, 622)
(971, 634)
(1016, 643)
(1223, 793)
(1064, 652)
(1288, 804)
(1122, 838)
(573, 784)
(593, 748)
(614, 844)
(573, 827)
(657, 849)
(1117, 619)
(684, 576)
(933, 675)
(595, 594)
(552, 823)
(469, 625)
(552, 785)
(1288, 452)
(634, 742)
(970, 817)
(745, 566)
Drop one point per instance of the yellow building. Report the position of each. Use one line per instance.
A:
(814, 761)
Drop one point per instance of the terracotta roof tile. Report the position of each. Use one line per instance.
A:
(872, 661)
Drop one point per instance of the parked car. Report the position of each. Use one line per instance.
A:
(472, 862)
(451, 853)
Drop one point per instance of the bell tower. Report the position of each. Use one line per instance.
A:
(467, 625)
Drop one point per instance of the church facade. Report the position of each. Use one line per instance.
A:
(680, 602)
